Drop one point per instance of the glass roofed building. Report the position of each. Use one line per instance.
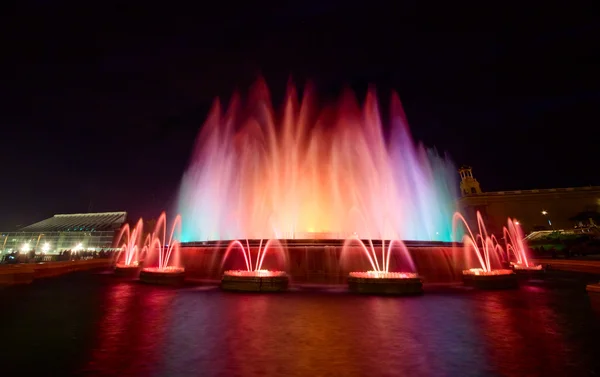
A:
(78, 231)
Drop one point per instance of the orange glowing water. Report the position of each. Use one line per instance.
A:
(331, 172)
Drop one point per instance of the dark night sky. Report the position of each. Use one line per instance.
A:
(102, 103)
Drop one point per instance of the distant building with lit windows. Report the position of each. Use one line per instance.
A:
(79, 231)
(543, 209)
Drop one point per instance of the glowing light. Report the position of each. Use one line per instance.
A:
(256, 273)
(482, 272)
(46, 247)
(384, 275)
(26, 247)
(517, 223)
(544, 213)
(132, 264)
(254, 175)
(519, 266)
(79, 247)
(167, 269)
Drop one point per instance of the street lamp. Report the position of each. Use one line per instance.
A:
(545, 213)
(25, 248)
(46, 247)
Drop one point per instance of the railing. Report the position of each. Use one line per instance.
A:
(539, 191)
(16, 258)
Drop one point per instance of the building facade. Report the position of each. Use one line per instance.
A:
(543, 209)
(80, 231)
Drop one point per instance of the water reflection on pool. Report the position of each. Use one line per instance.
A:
(130, 329)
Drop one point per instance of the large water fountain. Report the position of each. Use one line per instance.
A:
(309, 174)
(313, 174)
(163, 261)
(255, 278)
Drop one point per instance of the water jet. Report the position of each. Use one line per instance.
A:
(489, 255)
(164, 253)
(379, 280)
(254, 278)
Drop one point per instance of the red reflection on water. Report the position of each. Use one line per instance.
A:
(407, 345)
(130, 332)
(271, 339)
(524, 336)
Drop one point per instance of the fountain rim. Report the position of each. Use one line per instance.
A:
(295, 242)
(255, 274)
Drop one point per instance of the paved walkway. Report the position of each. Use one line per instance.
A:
(579, 265)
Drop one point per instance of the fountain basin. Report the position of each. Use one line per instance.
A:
(534, 272)
(255, 281)
(494, 279)
(385, 283)
(593, 288)
(163, 276)
(127, 270)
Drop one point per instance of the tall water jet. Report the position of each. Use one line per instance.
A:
(313, 173)
(129, 257)
(516, 245)
(163, 254)
(255, 278)
(517, 251)
(489, 273)
(380, 280)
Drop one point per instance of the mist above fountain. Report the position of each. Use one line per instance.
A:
(255, 277)
(163, 254)
(313, 173)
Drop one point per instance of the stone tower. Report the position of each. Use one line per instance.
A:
(468, 184)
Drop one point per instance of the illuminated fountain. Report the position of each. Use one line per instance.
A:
(163, 253)
(129, 257)
(254, 278)
(489, 254)
(310, 173)
(379, 280)
(517, 246)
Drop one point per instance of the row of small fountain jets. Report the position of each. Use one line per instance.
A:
(160, 254)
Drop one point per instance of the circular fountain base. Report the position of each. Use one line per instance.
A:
(529, 272)
(255, 281)
(391, 283)
(163, 276)
(593, 288)
(495, 279)
(127, 271)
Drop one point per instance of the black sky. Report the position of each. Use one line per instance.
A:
(100, 103)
